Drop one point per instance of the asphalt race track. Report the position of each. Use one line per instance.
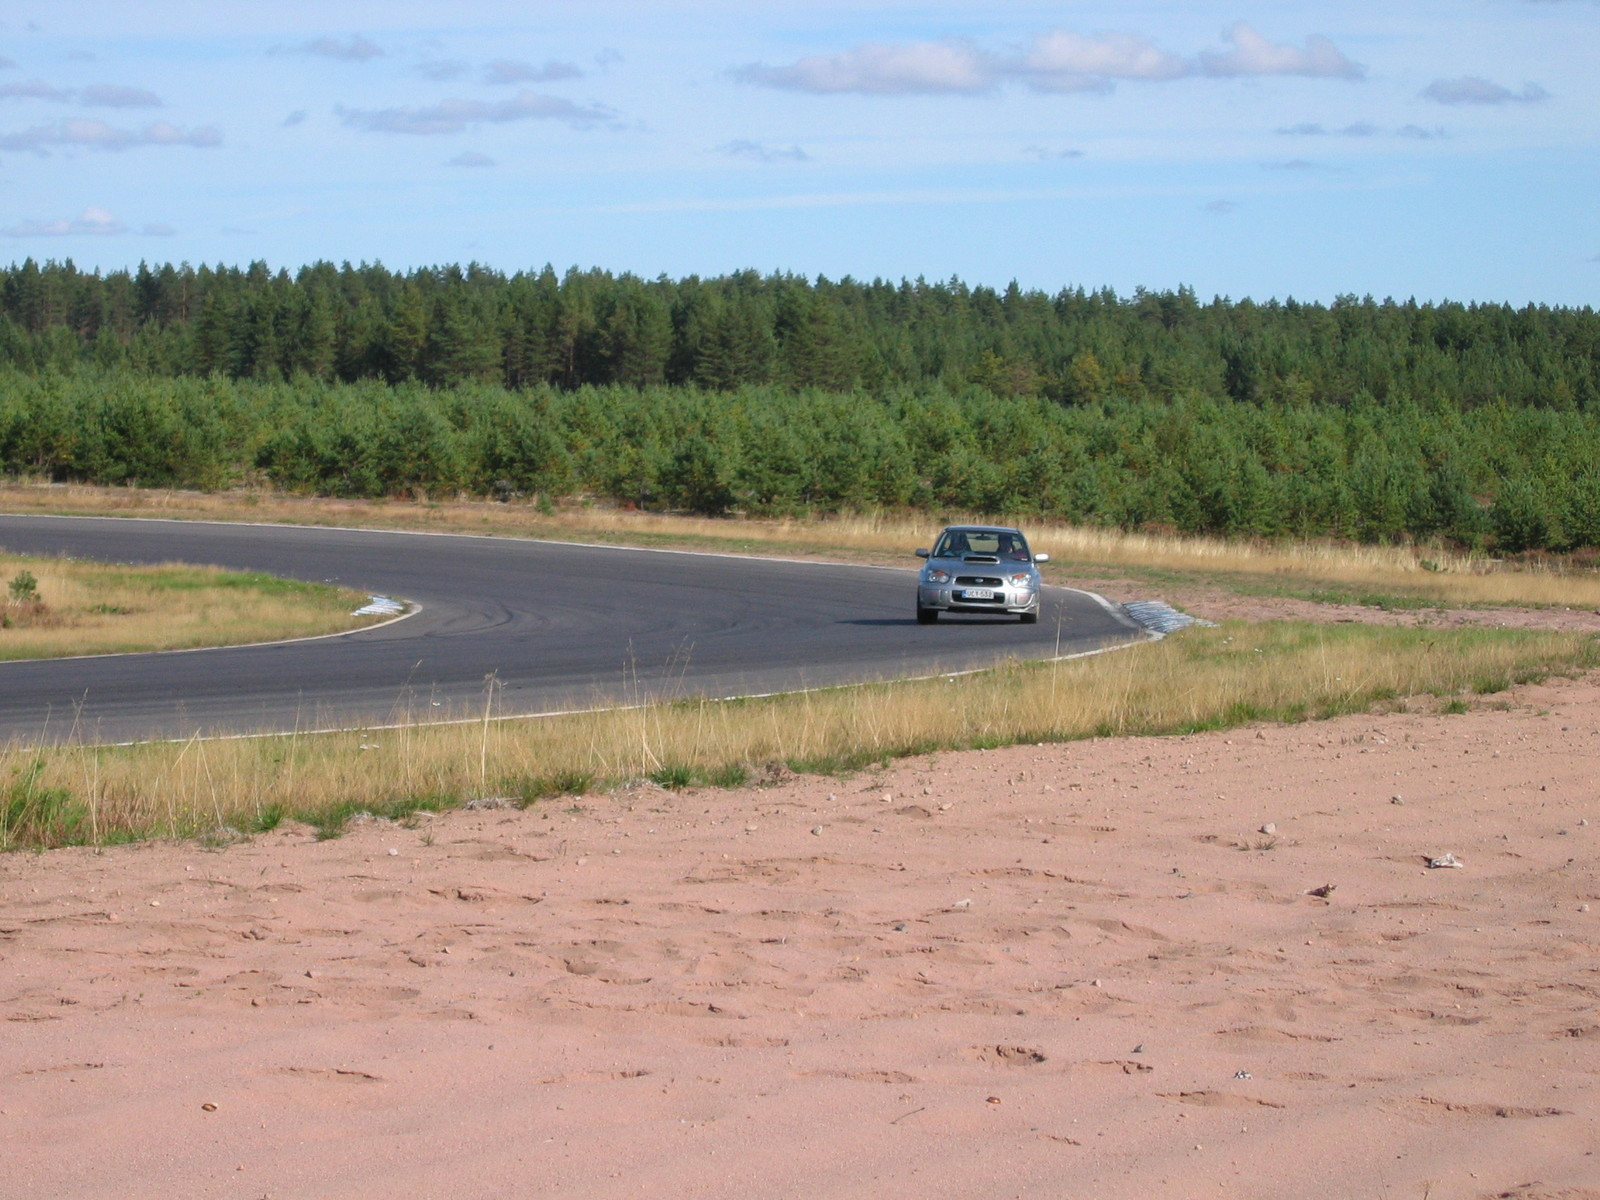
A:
(555, 626)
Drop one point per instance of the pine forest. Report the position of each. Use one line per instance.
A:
(1476, 426)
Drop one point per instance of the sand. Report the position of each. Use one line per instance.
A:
(1060, 971)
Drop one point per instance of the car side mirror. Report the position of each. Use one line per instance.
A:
(1039, 558)
(922, 554)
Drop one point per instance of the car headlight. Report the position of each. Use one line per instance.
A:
(1021, 579)
(936, 576)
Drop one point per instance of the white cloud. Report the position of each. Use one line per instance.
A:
(1358, 129)
(96, 222)
(511, 70)
(111, 95)
(1045, 154)
(919, 68)
(471, 158)
(97, 135)
(452, 116)
(1253, 54)
(164, 134)
(1056, 60)
(1063, 61)
(1474, 89)
(1362, 129)
(760, 152)
(33, 89)
(1292, 164)
(356, 49)
(101, 95)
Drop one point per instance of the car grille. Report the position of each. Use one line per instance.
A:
(979, 581)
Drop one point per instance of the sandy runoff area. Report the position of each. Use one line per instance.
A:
(1100, 969)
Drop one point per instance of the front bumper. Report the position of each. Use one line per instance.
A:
(945, 598)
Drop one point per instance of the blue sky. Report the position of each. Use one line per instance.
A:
(1266, 148)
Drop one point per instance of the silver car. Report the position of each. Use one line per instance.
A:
(979, 569)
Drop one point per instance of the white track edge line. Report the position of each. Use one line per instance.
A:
(411, 611)
(1149, 636)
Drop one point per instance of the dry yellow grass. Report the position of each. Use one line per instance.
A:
(1446, 579)
(101, 608)
(1205, 678)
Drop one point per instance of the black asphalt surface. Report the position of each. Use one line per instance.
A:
(556, 626)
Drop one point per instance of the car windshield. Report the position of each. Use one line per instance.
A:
(989, 543)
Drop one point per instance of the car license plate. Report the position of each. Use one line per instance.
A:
(978, 594)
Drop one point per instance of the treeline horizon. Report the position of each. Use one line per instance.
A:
(1473, 425)
(447, 325)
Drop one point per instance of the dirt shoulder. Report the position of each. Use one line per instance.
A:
(1068, 970)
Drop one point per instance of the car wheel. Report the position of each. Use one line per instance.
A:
(926, 616)
(1031, 617)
